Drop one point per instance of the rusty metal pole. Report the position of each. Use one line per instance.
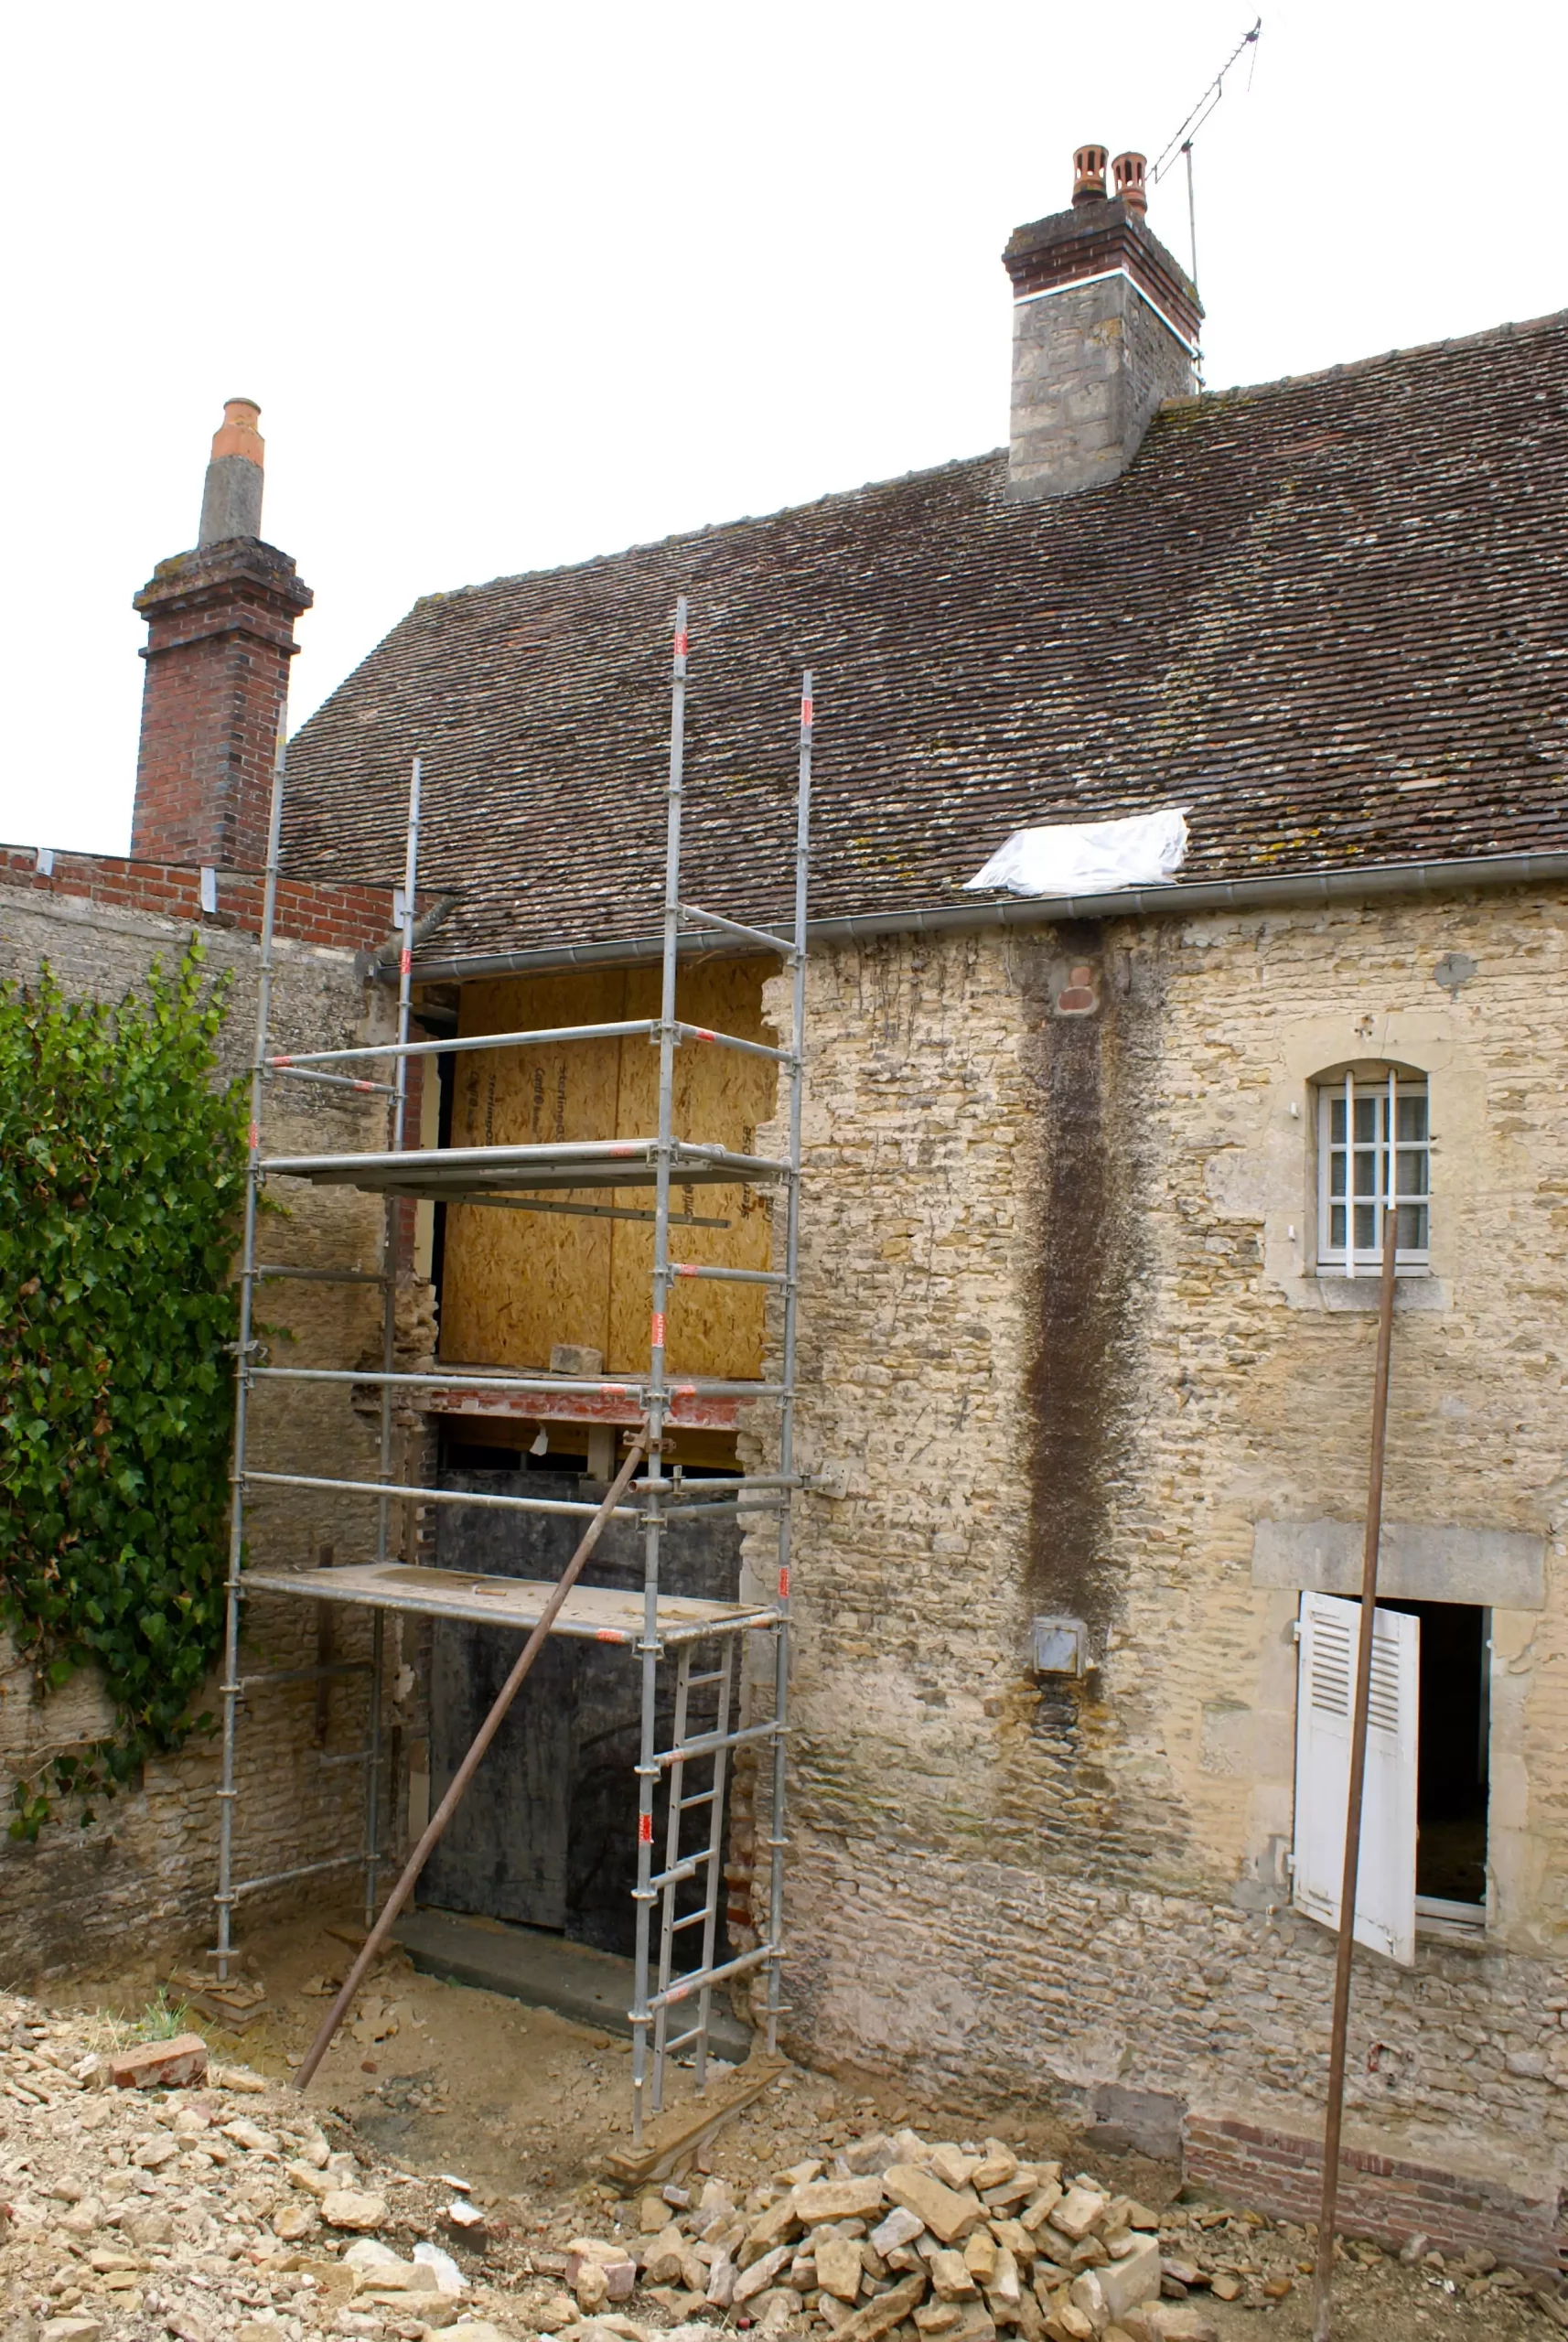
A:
(467, 1769)
(1323, 2278)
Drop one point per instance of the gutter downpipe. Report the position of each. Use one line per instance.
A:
(1046, 910)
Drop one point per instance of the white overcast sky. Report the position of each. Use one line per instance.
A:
(516, 285)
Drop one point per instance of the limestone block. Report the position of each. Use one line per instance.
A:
(839, 2200)
(760, 2274)
(951, 2280)
(900, 2227)
(839, 2268)
(351, 2207)
(881, 2315)
(948, 2212)
(1134, 2278)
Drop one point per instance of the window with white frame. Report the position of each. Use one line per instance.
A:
(1372, 1150)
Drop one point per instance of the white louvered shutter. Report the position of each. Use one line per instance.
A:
(1326, 1691)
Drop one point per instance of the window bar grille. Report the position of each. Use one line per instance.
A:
(1391, 1160)
(1350, 1175)
(1371, 1170)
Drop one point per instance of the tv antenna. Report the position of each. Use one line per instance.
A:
(1182, 142)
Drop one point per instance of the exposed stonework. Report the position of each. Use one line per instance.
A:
(1105, 329)
(1058, 1887)
(1092, 365)
(148, 1868)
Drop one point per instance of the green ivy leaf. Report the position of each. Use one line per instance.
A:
(121, 1178)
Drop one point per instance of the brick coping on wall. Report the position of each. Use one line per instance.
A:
(1386, 2197)
(349, 916)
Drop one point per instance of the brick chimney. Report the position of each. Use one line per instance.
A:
(220, 635)
(1105, 325)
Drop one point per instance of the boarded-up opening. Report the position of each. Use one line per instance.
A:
(516, 1283)
(546, 1836)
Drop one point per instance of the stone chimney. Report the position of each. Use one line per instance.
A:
(220, 635)
(1105, 327)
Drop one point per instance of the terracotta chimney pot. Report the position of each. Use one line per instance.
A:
(1089, 175)
(1128, 172)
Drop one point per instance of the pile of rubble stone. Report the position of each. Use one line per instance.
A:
(947, 2242)
(146, 2198)
(143, 2195)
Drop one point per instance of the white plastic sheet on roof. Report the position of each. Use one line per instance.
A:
(1089, 857)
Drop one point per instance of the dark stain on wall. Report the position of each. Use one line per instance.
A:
(1094, 1006)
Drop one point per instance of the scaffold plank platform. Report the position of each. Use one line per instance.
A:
(448, 1174)
(689, 1409)
(598, 1613)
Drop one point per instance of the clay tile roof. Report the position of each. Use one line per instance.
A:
(1331, 616)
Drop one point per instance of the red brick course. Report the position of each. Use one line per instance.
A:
(342, 918)
(1381, 2196)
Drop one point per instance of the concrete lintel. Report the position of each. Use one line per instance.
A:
(1496, 1568)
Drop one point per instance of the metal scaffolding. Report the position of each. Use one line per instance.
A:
(703, 1638)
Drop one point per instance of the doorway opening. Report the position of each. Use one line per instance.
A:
(1452, 1778)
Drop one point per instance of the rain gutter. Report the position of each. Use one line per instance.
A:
(1050, 910)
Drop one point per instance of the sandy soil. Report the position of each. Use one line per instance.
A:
(521, 2103)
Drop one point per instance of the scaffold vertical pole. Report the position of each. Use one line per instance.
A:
(787, 1377)
(227, 1793)
(397, 1115)
(648, 1769)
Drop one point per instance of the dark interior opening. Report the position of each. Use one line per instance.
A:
(1451, 1777)
(547, 1834)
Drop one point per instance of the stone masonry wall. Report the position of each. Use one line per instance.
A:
(1061, 1351)
(1092, 364)
(146, 1873)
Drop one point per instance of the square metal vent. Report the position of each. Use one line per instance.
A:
(1058, 1647)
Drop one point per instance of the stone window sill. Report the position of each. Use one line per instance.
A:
(1413, 1289)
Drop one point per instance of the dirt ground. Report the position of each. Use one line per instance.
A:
(439, 2078)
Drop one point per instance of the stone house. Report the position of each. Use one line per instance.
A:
(1087, 1246)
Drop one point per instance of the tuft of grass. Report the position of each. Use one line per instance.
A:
(162, 2018)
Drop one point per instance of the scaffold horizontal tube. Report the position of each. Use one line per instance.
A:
(721, 1276)
(282, 1878)
(557, 1382)
(711, 1740)
(321, 1674)
(684, 1031)
(679, 1511)
(687, 1985)
(335, 1080)
(402, 1494)
(688, 1868)
(373, 1377)
(547, 1032)
(576, 1211)
(782, 944)
(321, 1276)
(675, 1489)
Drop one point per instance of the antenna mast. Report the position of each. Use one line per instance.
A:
(1181, 144)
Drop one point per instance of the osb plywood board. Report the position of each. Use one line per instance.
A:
(513, 1282)
(516, 1283)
